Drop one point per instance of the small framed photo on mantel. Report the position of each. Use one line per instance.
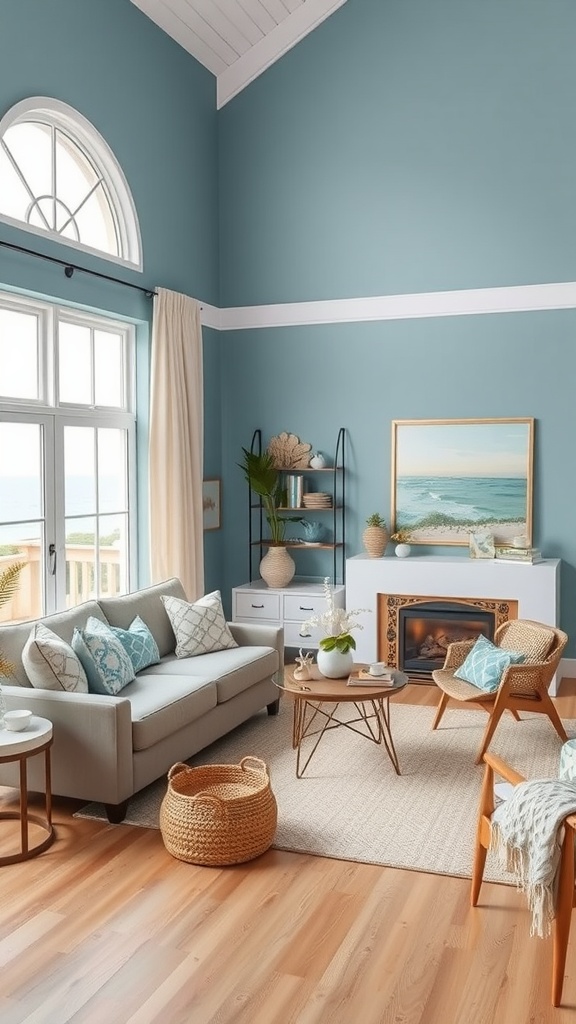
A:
(211, 503)
(482, 545)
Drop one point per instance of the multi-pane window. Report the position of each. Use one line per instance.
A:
(67, 459)
(58, 176)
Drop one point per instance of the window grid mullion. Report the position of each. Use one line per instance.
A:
(53, 169)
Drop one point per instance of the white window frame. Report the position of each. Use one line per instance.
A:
(88, 139)
(54, 418)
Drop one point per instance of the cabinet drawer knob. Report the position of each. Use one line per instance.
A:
(305, 634)
(303, 609)
(257, 606)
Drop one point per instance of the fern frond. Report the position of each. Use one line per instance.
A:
(10, 581)
(6, 667)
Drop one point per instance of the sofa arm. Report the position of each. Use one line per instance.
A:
(92, 751)
(248, 634)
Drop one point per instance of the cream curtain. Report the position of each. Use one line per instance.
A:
(176, 443)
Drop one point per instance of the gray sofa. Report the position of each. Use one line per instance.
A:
(107, 748)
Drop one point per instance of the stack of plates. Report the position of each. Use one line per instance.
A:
(317, 499)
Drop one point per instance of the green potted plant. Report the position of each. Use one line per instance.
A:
(375, 536)
(335, 658)
(277, 567)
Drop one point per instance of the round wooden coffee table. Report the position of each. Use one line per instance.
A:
(316, 703)
(19, 746)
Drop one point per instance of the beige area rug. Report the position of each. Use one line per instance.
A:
(351, 805)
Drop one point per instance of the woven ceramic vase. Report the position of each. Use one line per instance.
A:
(277, 567)
(375, 539)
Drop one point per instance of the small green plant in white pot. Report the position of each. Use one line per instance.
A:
(335, 658)
(375, 536)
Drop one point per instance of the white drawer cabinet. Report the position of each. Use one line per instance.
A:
(257, 606)
(288, 607)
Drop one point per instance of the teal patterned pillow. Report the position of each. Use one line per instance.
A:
(105, 662)
(485, 665)
(138, 643)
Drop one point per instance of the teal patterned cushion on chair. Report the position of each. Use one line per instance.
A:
(138, 643)
(485, 665)
(106, 663)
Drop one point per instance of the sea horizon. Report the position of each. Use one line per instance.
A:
(456, 501)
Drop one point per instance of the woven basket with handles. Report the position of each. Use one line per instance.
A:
(218, 814)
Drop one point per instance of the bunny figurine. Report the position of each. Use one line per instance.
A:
(304, 666)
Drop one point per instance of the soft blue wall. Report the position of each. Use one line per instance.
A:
(405, 147)
(156, 108)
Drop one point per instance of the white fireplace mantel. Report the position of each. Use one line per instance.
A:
(535, 587)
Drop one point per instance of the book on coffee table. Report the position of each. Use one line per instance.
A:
(362, 677)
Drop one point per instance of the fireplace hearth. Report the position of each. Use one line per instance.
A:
(414, 632)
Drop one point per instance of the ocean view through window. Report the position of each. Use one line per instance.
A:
(67, 456)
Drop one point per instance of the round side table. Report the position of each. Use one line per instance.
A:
(19, 746)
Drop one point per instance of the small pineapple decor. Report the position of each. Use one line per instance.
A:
(375, 536)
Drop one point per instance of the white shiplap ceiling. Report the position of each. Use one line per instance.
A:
(237, 39)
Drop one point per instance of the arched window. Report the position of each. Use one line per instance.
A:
(59, 177)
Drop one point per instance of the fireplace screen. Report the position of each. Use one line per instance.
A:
(425, 631)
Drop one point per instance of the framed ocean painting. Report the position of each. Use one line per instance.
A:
(451, 478)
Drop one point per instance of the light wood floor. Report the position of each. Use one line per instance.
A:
(107, 927)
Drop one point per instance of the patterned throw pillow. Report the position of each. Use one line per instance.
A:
(485, 665)
(106, 663)
(199, 628)
(50, 662)
(139, 644)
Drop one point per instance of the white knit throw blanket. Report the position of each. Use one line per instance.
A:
(527, 835)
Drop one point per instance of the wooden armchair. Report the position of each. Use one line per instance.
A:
(523, 687)
(566, 893)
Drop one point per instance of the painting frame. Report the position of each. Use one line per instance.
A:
(454, 477)
(212, 503)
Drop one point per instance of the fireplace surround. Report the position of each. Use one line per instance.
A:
(414, 631)
(534, 588)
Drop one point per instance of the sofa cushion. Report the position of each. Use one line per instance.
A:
(199, 627)
(163, 705)
(121, 611)
(233, 670)
(50, 662)
(139, 644)
(106, 663)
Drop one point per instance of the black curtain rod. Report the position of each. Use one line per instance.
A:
(69, 268)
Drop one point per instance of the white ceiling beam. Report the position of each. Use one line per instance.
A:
(167, 20)
(282, 38)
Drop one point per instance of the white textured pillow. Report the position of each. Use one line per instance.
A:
(199, 628)
(50, 662)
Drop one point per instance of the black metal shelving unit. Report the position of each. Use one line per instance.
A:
(337, 475)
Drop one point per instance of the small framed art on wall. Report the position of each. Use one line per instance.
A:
(211, 503)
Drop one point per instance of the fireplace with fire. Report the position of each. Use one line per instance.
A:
(414, 632)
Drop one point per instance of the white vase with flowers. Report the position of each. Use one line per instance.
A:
(335, 658)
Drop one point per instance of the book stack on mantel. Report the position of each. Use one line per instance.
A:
(528, 556)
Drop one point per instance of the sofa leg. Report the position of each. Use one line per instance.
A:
(116, 812)
(274, 707)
